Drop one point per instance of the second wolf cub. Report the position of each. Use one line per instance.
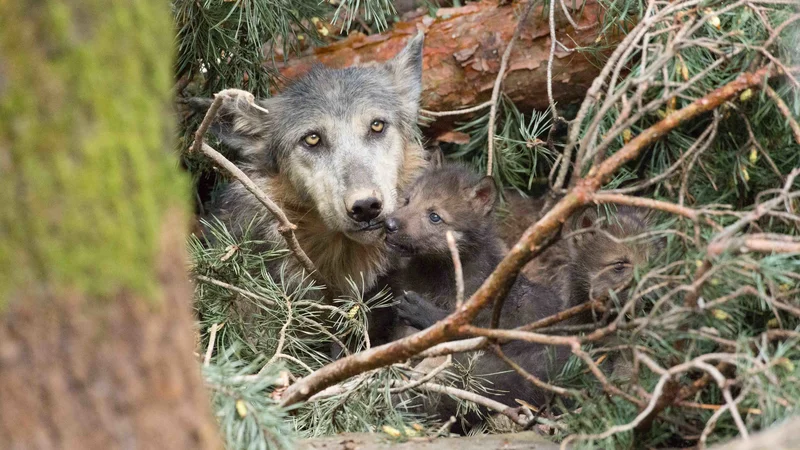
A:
(452, 197)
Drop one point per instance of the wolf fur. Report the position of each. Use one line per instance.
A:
(317, 186)
(462, 203)
(595, 253)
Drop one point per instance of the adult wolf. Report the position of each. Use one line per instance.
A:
(332, 151)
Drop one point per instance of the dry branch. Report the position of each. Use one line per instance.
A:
(499, 80)
(498, 283)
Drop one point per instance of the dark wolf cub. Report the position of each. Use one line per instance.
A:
(596, 253)
(454, 198)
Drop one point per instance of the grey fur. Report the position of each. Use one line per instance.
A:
(312, 183)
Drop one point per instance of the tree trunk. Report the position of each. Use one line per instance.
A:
(463, 49)
(96, 337)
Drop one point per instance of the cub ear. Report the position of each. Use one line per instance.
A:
(406, 72)
(582, 220)
(436, 160)
(247, 128)
(483, 195)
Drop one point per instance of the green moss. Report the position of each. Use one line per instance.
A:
(86, 170)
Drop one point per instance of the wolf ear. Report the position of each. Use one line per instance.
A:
(406, 71)
(483, 195)
(437, 159)
(247, 128)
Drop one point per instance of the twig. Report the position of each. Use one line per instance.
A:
(456, 112)
(561, 316)
(445, 426)
(607, 386)
(620, 199)
(526, 336)
(460, 346)
(784, 109)
(281, 338)
(474, 398)
(499, 282)
(712, 422)
(754, 244)
(212, 338)
(451, 242)
(552, 56)
(429, 376)
(286, 228)
(572, 21)
(215, 282)
(499, 80)
(536, 381)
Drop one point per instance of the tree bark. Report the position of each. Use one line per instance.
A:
(96, 338)
(463, 48)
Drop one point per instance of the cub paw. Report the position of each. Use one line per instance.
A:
(411, 309)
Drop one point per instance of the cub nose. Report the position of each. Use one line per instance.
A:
(391, 225)
(365, 209)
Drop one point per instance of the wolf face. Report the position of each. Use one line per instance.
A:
(606, 259)
(335, 139)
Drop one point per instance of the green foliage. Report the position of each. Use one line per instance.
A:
(522, 160)
(249, 418)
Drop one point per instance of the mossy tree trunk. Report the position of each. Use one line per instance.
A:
(96, 341)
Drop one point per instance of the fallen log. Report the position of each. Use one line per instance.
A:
(463, 48)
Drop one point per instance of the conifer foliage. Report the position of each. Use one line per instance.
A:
(710, 326)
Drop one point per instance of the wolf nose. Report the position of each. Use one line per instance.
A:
(365, 209)
(391, 225)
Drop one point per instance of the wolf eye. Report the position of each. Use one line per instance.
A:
(434, 218)
(406, 200)
(377, 126)
(311, 139)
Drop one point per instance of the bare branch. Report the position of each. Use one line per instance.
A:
(499, 80)
(451, 242)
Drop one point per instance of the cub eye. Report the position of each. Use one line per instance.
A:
(619, 266)
(406, 200)
(377, 126)
(434, 218)
(311, 139)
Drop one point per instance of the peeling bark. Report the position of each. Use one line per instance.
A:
(463, 48)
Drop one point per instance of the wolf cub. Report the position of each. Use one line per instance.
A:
(452, 197)
(595, 254)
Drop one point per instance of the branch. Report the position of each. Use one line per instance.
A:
(230, 287)
(477, 399)
(499, 282)
(536, 381)
(499, 80)
(451, 242)
(620, 199)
